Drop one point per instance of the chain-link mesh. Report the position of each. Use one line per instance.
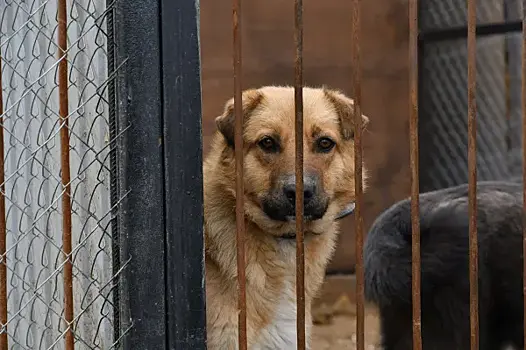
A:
(514, 86)
(443, 122)
(443, 14)
(33, 188)
(444, 113)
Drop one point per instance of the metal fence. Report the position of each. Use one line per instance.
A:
(57, 143)
(89, 258)
(101, 231)
(458, 74)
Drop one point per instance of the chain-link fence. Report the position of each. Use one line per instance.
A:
(443, 86)
(36, 214)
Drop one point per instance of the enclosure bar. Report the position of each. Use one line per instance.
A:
(413, 147)
(298, 106)
(3, 230)
(523, 93)
(472, 180)
(65, 172)
(358, 180)
(240, 188)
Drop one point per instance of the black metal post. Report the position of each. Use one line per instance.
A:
(140, 171)
(185, 289)
(159, 166)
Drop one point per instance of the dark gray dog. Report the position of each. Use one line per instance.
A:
(445, 269)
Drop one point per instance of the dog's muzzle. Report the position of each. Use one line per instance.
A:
(280, 203)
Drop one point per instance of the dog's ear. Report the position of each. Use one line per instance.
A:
(344, 107)
(226, 122)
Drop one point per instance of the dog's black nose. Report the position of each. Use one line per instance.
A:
(280, 204)
(309, 189)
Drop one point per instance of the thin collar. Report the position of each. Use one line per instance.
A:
(349, 209)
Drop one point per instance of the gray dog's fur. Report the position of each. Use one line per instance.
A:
(444, 225)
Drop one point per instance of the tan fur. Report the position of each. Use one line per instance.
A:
(270, 262)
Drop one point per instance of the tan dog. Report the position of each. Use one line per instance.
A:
(269, 158)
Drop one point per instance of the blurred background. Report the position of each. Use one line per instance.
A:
(268, 58)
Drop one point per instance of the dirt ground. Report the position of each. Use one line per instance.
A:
(338, 330)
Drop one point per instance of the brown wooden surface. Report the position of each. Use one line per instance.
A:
(268, 58)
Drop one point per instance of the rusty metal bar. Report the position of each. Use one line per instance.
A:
(358, 164)
(3, 230)
(472, 169)
(65, 172)
(413, 146)
(524, 159)
(298, 106)
(240, 188)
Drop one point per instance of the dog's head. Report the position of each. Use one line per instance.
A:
(269, 156)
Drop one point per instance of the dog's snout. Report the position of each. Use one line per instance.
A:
(280, 204)
(309, 189)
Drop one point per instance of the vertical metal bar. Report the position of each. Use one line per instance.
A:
(472, 169)
(114, 185)
(240, 189)
(3, 230)
(413, 145)
(523, 93)
(298, 106)
(65, 172)
(358, 164)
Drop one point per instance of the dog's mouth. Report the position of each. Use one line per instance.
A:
(348, 210)
(292, 218)
(284, 211)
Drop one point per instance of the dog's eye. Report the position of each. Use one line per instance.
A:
(268, 144)
(325, 144)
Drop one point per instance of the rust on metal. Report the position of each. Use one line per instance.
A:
(298, 106)
(358, 163)
(3, 231)
(472, 169)
(65, 172)
(524, 161)
(413, 145)
(240, 188)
